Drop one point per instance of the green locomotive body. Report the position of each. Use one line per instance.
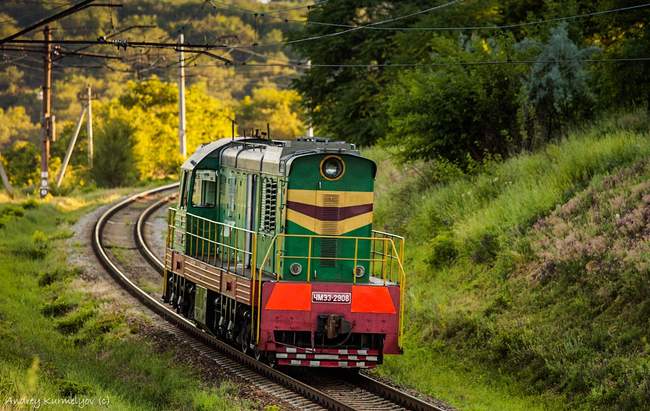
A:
(257, 217)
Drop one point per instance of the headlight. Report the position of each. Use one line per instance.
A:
(332, 167)
(295, 268)
(359, 271)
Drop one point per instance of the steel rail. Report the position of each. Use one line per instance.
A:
(139, 236)
(393, 394)
(364, 381)
(168, 314)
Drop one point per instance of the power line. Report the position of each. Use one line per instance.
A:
(184, 25)
(514, 25)
(230, 7)
(233, 7)
(449, 64)
(495, 27)
(391, 20)
(61, 53)
(124, 44)
(308, 7)
(70, 10)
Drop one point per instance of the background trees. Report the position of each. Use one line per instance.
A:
(459, 112)
(462, 82)
(556, 90)
(136, 99)
(449, 84)
(280, 108)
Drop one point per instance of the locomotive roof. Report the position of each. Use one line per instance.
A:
(268, 156)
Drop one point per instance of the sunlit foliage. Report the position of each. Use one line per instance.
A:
(279, 108)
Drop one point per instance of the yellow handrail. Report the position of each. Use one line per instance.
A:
(253, 274)
(308, 259)
(402, 292)
(259, 288)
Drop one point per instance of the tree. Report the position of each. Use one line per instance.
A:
(556, 90)
(113, 162)
(16, 125)
(345, 103)
(279, 108)
(624, 36)
(150, 108)
(457, 111)
(21, 163)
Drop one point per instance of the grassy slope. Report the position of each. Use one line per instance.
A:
(59, 343)
(516, 301)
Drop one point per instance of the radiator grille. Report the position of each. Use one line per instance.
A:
(329, 217)
(328, 248)
(269, 204)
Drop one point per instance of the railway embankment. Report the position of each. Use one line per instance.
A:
(529, 277)
(69, 337)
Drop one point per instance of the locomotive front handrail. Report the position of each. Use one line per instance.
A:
(390, 249)
(389, 254)
(259, 291)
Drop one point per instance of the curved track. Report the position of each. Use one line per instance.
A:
(343, 391)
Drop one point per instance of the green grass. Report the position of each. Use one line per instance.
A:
(59, 344)
(515, 302)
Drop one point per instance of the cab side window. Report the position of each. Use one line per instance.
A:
(185, 187)
(204, 193)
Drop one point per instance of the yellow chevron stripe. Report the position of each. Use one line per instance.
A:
(321, 198)
(329, 227)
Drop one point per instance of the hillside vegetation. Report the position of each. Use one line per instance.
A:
(531, 275)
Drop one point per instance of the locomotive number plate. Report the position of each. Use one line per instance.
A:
(330, 297)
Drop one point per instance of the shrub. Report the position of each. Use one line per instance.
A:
(443, 250)
(459, 113)
(39, 246)
(21, 164)
(114, 163)
(57, 308)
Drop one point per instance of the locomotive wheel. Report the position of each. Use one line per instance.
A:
(245, 340)
(179, 305)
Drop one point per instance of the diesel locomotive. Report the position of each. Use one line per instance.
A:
(271, 247)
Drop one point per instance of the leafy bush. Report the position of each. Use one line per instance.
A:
(460, 113)
(39, 246)
(57, 308)
(21, 163)
(114, 162)
(279, 108)
(443, 250)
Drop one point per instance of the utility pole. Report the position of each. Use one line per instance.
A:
(68, 153)
(310, 130)
(181, 98)
(89, 126)
(47, 105)
(5, 180)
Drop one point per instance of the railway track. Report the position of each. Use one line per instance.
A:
(318, 390)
